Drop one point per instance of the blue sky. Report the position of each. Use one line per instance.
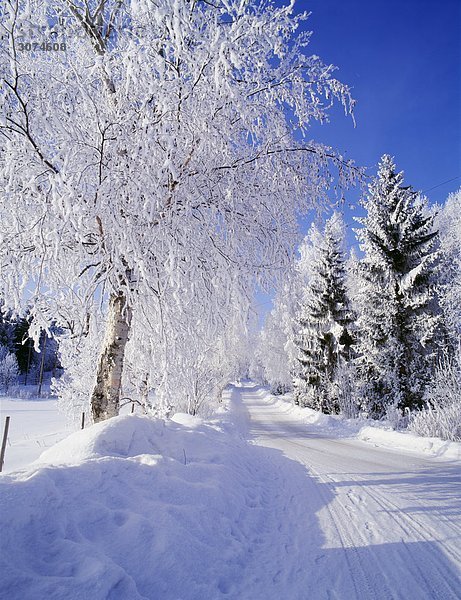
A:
(403, 62)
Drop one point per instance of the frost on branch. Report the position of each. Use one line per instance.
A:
(441, 417)
(154, 159)
(448, 222)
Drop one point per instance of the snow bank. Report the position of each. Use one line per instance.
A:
(125, 436)
(410, 442)
(373, 432)
(311, 417)
(136, 508)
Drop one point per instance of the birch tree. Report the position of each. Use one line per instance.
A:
(152, 153)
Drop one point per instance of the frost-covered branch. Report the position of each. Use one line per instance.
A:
(161, 159)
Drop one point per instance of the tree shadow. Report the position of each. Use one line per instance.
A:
(353, 568)
(438, 490)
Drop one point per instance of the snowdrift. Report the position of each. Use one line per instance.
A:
(135, 508)
(387, 438)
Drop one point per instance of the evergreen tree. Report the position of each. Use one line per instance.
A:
(24, 345)
(400, 320)
(7, 328)
(449, 279)
(324, 337)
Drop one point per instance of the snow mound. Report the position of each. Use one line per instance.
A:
(136, 508)
(410, 442)
(122, 436)
(188, 420)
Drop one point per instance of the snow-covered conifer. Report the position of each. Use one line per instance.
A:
(324, 320)
(9, 370)
(448, 222)
(7, 329)
(399, 315)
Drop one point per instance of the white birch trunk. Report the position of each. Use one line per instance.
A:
(105, 400)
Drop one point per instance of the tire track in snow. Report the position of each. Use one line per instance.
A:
(361, 582)
(277, 430)
(385, 505)
(363, 586)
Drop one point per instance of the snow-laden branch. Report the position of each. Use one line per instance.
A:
(160, 153)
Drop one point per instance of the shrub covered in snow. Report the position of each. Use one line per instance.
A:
(442, 416)
(348, 402)
(279, 389)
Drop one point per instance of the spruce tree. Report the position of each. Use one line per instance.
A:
(449, 279)
(7, 329)
(324, 340)
(400, 320)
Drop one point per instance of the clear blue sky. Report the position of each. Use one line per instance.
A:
(402, 59)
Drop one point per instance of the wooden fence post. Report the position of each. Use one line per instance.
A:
(5, 437)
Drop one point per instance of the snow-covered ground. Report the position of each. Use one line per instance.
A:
(388, 521)
(34, 426)
(140, 509)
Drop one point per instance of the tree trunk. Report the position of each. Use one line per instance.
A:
(42, 366)
(105, 400)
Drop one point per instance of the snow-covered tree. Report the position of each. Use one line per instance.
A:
(199, 361)
(448, 222)
(273, 357)
(7, 329)
(9, 370)
(78, 355)
(400, 318)
(153, 153)
(275, 349)
(324, 320)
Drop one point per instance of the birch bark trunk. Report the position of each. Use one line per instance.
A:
(105, 399)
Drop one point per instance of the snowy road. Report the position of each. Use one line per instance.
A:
(388, 524)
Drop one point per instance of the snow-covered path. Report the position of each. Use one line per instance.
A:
(388, 523)
(136, 508)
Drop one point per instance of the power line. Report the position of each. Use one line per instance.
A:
(443, 183)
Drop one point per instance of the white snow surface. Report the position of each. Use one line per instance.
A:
(34, 426)
(374, 432)
(135, 508)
